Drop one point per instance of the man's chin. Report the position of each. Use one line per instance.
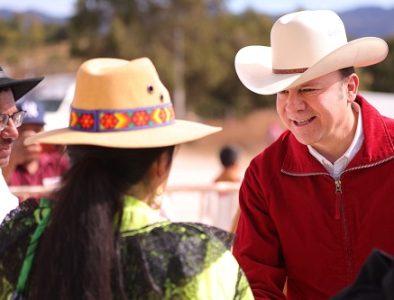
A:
(4, 161)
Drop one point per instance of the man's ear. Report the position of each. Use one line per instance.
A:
(161, 167)
(352, 87)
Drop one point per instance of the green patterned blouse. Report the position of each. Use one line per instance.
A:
(181, 260)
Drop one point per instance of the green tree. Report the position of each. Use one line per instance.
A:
(192, 42)
(380, 77)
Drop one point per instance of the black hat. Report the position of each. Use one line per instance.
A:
(19, 87)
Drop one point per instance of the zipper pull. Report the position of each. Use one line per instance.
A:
(338, 195)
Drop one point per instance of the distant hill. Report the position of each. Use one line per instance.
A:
(369, 21)
(7, 14)
(365, 21)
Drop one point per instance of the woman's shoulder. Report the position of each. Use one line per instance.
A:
(175, 232)
(190, 243)
(180, 258)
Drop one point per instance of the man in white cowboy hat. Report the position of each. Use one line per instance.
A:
(316, 201)
(11, 90)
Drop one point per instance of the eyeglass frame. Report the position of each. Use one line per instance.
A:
(14, 117)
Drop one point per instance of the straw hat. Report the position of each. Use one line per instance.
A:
(122, 104)
(19, 87)
(304, 45)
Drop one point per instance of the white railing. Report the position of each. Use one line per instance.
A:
(213, 204)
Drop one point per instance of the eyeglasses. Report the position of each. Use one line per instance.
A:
(17, 118)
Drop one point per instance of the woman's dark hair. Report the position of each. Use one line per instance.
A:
(77, 255)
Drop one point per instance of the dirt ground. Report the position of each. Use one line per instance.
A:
(198, 162)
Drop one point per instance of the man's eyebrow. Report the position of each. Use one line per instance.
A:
(307, 84)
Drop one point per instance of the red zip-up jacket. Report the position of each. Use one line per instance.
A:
(298, 223)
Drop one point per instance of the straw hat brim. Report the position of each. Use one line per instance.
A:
(253, 64)
(180, 131)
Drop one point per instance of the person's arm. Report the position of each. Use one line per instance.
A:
(257, 246)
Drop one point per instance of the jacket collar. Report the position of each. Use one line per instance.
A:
(137, 214)
(378, 146)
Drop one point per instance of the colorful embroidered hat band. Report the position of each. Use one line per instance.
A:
(120, 120)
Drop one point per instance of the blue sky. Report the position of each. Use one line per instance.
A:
(284, 6)
(59, 8)
(63, 8)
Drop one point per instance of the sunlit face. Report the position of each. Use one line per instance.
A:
(10, 133)
(319, 112)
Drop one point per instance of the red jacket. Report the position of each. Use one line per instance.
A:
(298, 222)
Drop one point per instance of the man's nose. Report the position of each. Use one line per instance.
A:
(295, 102)
(10, 131)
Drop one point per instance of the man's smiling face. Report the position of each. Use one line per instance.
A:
(9, 134)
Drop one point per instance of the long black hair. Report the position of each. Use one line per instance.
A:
(77, 255)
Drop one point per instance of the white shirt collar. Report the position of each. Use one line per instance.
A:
(341, 163)
(8, 201)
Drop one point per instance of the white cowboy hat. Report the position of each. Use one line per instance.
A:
(304, 45)
(122, 104)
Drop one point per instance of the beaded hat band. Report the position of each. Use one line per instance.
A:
(119, 120)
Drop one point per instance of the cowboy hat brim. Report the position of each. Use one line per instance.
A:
(180, 131)
(253, 64)
(19, 87)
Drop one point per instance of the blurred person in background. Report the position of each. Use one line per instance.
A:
(98, 238)
(227, 207)
(318, 200)
(30, 165)
(11, 90)
(229, 159)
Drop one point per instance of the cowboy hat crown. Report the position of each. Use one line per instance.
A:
(304, 45)
(122, 104)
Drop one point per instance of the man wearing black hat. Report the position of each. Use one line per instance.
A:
(11, 90)
(32, 165)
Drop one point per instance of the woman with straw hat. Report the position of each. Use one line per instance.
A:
(98, 238)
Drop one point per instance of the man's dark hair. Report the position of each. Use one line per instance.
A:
(345, 72)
